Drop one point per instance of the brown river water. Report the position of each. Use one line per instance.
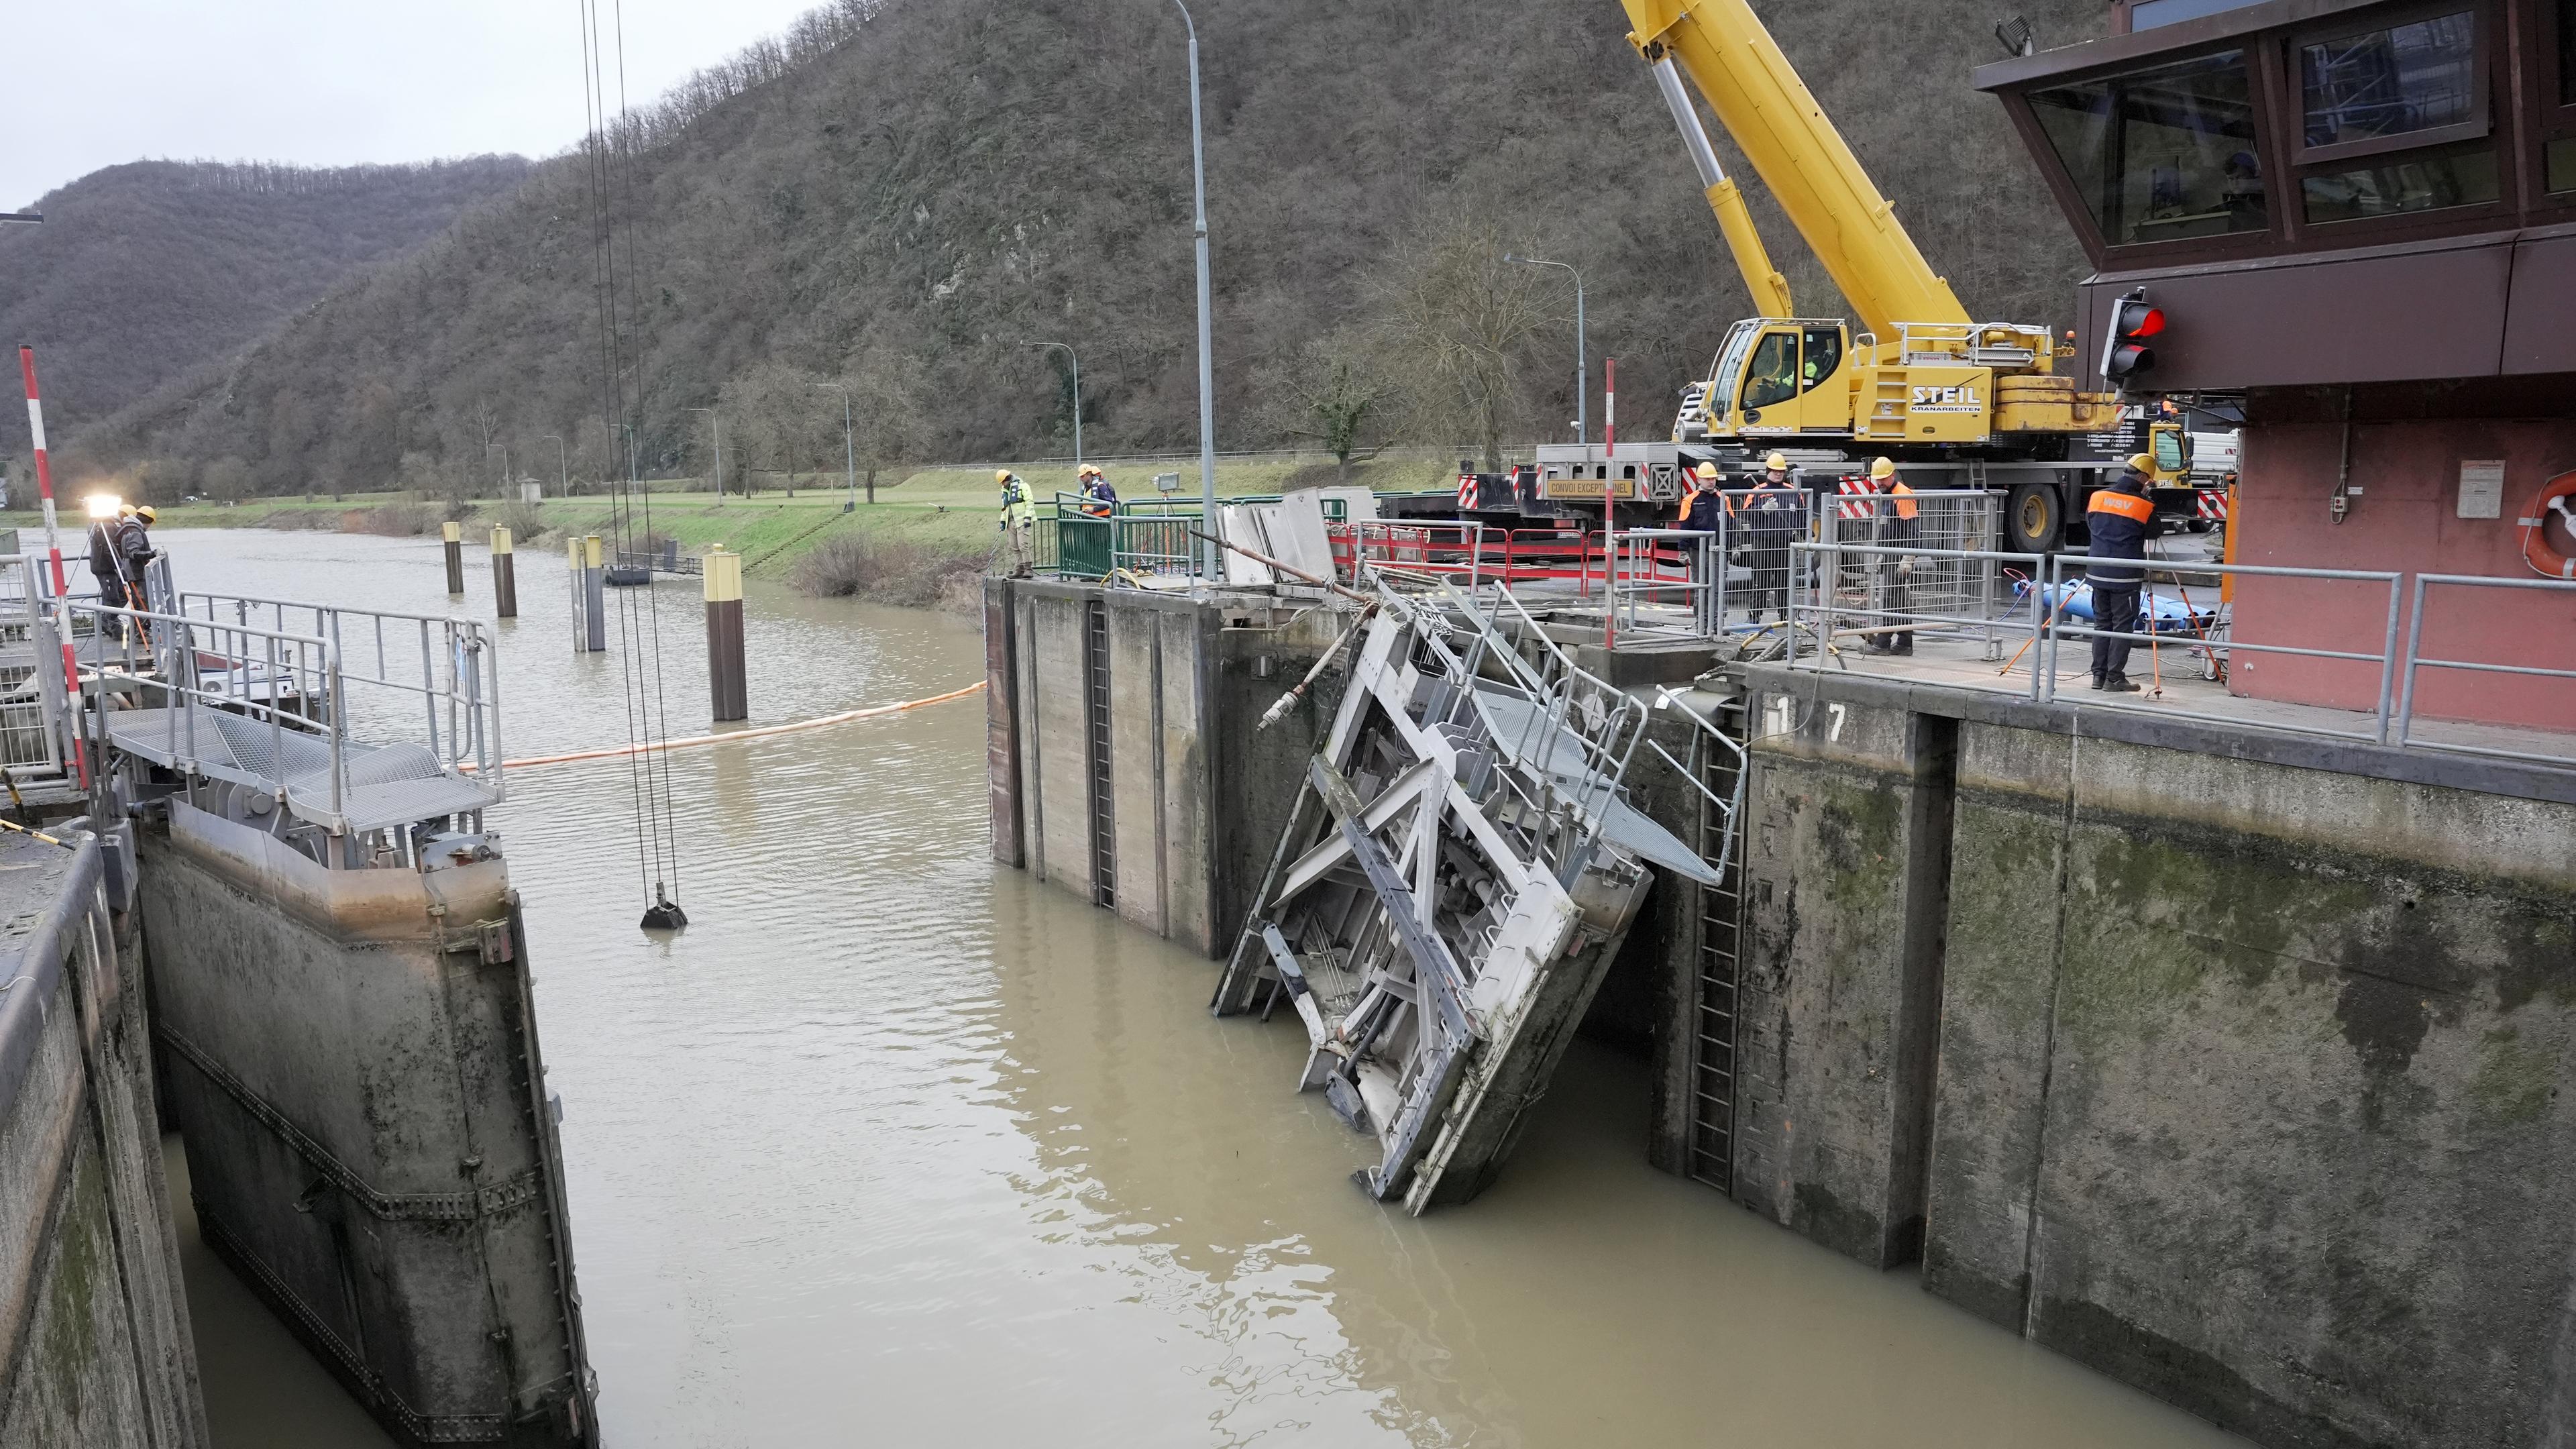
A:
(894, 1146)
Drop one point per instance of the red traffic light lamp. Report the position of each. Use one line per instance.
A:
(2126, 354)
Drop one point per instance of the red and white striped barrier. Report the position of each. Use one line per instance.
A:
(54, 543)
(1859, 499)
(2213, 504)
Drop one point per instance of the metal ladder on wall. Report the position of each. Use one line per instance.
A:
(1715, 769)
(1721, 923)
(1095, 720)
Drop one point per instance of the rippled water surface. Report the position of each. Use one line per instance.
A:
(892, 1146)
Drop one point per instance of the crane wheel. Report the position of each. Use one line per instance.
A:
(2034, 518)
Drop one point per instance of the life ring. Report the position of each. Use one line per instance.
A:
(2558, 495)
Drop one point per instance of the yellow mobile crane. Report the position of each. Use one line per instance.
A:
(1921, 379)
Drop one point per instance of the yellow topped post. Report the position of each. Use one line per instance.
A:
(451, 537)
(723, 577)
(505, 577)
(728, 694)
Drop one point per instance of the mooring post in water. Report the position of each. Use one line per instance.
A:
(580, 598)
(725, 685)
(452, 539)
(594, 597)
(505, 577)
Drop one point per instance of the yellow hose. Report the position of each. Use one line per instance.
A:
(616, 752)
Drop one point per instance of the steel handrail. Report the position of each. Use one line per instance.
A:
(174, 651)
(2416, 661)
(2381, 714)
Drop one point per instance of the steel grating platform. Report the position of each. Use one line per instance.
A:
(383, 785)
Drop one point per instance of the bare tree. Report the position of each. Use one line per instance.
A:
(886, 389)
(1337, 392)
(1459, 320)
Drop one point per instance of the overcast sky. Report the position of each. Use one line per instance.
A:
(91, 83)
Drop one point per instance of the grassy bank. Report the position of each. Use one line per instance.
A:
(919, 543)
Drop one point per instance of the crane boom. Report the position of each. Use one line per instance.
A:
(1734, 220)
(1783, 132)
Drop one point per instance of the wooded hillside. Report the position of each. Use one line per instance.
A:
(907, 192)
(142, 272)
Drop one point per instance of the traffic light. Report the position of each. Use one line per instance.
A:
(2125, 353)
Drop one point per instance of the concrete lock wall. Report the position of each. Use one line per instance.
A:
(95, 1349)
(357, 1082)
(1186, 681)
(2269, 1120)
(2238, 1079)
(1845, 861)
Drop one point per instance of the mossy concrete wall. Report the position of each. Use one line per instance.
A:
(2252, 1088)
(1845, 859)
(95, 1351)
(1198, 795)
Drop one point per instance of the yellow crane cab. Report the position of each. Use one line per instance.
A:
(1777, 377)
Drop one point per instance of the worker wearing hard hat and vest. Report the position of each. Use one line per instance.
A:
(1774, 516)
(1703, 504)
(1099, 500)
(1898, 527)
(2121, 518)
(1019, 520)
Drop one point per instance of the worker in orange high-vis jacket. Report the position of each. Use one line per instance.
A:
(2121, 519)
(1899, 526)
(1702, 506)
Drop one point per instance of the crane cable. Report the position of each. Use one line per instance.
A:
(656, 848)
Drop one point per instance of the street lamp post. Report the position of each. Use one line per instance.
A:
(563, 469)
(505, 465)
(1077, 396)
(716, 420)
(1582, 365)
(849, 447)
(1215, 567)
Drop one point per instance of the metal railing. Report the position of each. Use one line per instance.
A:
(1408, 552)
(1669, 581)
(2417, 661)
(1563, 700)
(459, 688)
(2060, 587)
(2046, 604)
(239, 668)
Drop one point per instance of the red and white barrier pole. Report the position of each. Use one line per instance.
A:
(1609, 504)
(54, 551)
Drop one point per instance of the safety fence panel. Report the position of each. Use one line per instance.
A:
(1450, 552)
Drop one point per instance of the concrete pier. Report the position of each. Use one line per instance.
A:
(1126, 763)
(95, 1350)
(353, 1064)
(2229, 1062)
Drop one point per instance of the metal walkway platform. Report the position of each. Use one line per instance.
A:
(379, 785)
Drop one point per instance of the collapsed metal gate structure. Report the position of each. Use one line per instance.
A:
(1459, 871)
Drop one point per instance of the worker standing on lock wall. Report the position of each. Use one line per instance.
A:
(1898, 527)
(1099, 500)
(1773, 517)
(1019, 520)
(2121, 518)
(1703, 504)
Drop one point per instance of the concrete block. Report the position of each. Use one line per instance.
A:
(1846, 862)
(2253, 1088)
